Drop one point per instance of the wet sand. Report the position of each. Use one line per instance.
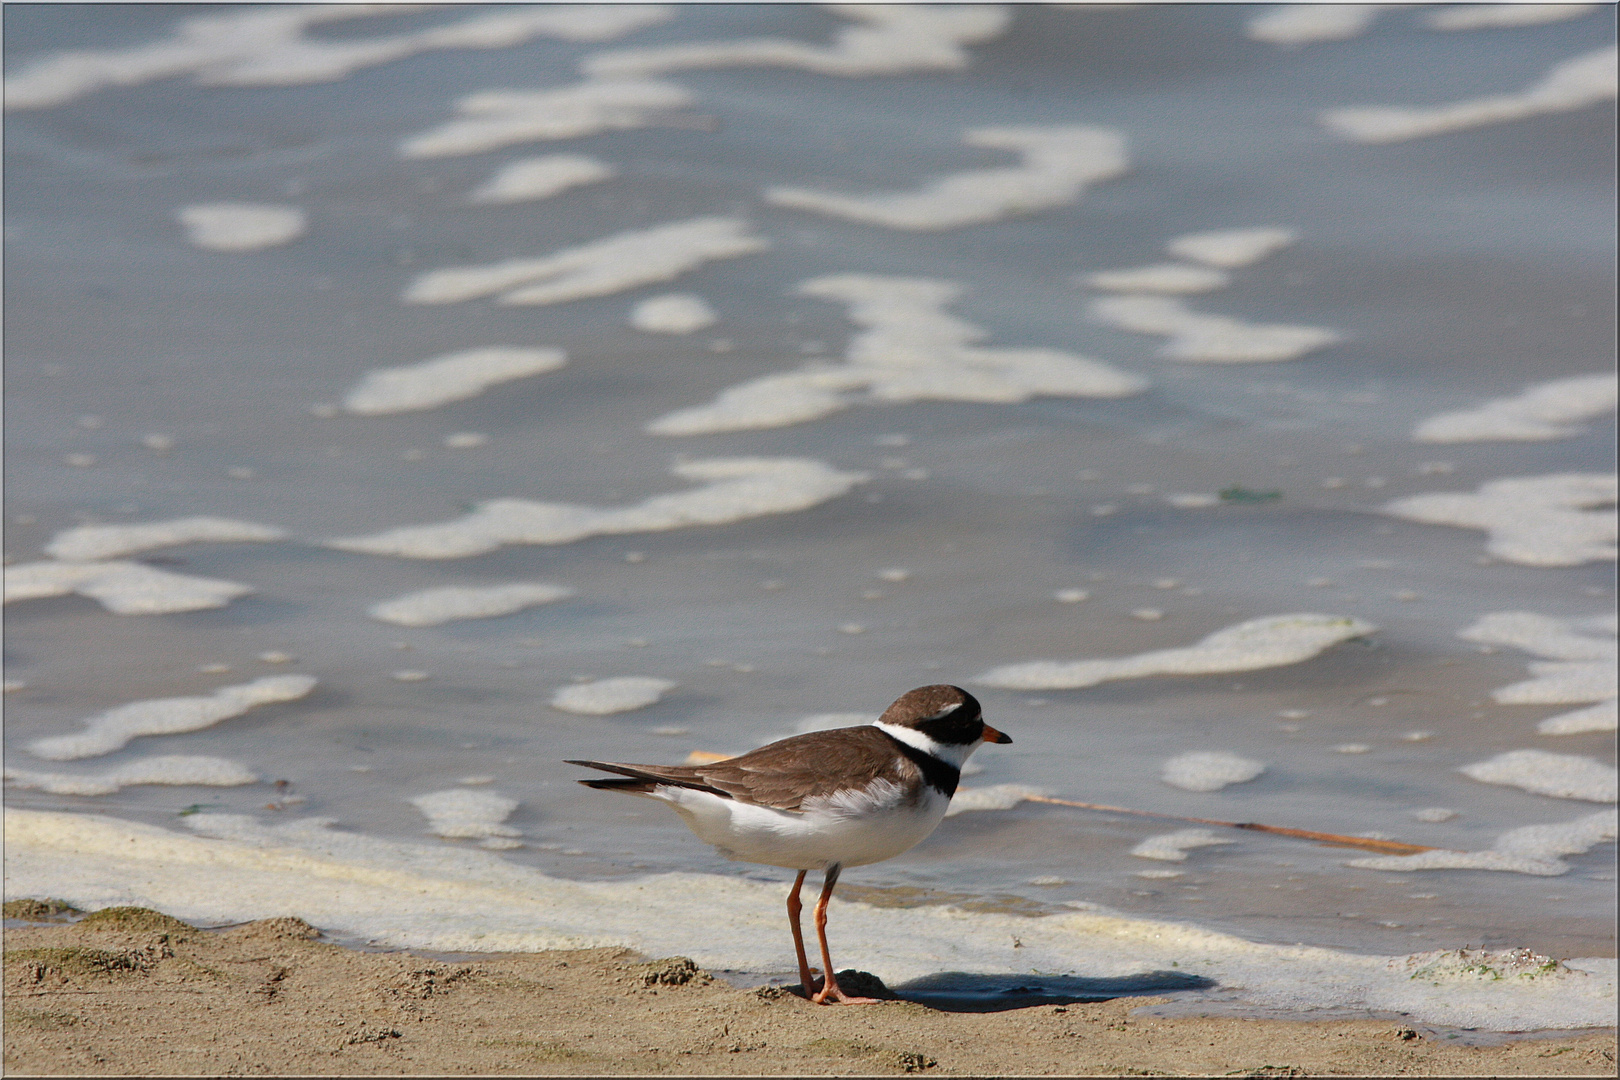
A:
(131, 992)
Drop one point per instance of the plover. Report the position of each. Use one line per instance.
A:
(825, 800)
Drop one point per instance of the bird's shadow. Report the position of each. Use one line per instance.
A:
(960, 991)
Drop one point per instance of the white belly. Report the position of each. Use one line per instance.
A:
(851, 829)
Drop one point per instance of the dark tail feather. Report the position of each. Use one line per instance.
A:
(633, 787)
(641, 781)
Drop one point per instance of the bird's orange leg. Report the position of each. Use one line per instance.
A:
(830, 994)
(794, 907)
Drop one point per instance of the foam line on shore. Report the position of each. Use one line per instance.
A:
(1271, 641)
(1549, 410)
(613, 264)
(269, 47)
(433, 607)
(91, 543)
(890, 39)
(1564, 519)
(1574, 84)
(123, 588)
(113, 729)
(736, 489)
(411, 895)
(1058, 163)
(1199, 338)
(909, 349)
(171, 769)
(492, 119)
(453, 377)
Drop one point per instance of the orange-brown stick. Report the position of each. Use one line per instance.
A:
(1388, 847)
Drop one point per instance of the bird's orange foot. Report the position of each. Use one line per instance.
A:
(833, 995)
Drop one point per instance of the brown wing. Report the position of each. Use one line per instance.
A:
(784, 774)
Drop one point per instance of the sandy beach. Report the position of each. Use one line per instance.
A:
(128, 991)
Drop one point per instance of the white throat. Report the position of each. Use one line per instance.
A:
(951, 753)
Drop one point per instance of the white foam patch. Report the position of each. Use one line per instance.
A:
(1490, 16)
(430, 607)
(540, 178)
(1531, 849)
(1232, 248)
(113, 729)
(496, 118)
(1209, 339)
(443, 379)
(1580, 666)
(736, 489)
(1562, 776)
(910, 349)
(1058, 163)
(409, 895)
(622, 261)
(1549, 410)
(90, 543)
(889, 40)
(1173, 847)
(1168, 278)
(1604, 716)
(123, 588)
(241, 226)
(1272, 641)
(673, 313)
(172, 769)
(1209, 770)
(1192, 500)
(1575, 84)
(607, 696)
(459, 814)
(1530, 520)
(1303, 24)
(268, 47)
(993, 797)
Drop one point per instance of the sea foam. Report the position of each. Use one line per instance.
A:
(1173, 847)
(537, 178)
(672, 313)
(459, 814)
(1490, 16)
(90, 543)
(1562, 776)
(1169, 278)
(113, 729)
(1556, 520)
(1548, 410)
(1196, 337)
(267, 47)
(1292, 25)
(1230, 249)
(430, 607)
(891, 39)
(1580, 666)
(123, 588)
(605, 697)
(737, 489)
(443, 379)
(1208, 770)
(496, 118)
(602, 267)
(174, 769)
(410, 895)
(1272, 641)
(1575, 84)
(241, 226)
(910, 349)
(1530, 849)
(1058, 163)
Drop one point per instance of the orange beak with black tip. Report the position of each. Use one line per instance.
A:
(992, 735)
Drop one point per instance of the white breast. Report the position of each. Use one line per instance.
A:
(853, 827)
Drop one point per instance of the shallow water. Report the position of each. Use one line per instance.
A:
(1458, 268)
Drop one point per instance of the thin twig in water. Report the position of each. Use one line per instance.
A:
(1388, 847)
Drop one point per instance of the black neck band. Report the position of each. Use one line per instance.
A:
(941, 775)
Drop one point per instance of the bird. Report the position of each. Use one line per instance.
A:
(825, 800)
